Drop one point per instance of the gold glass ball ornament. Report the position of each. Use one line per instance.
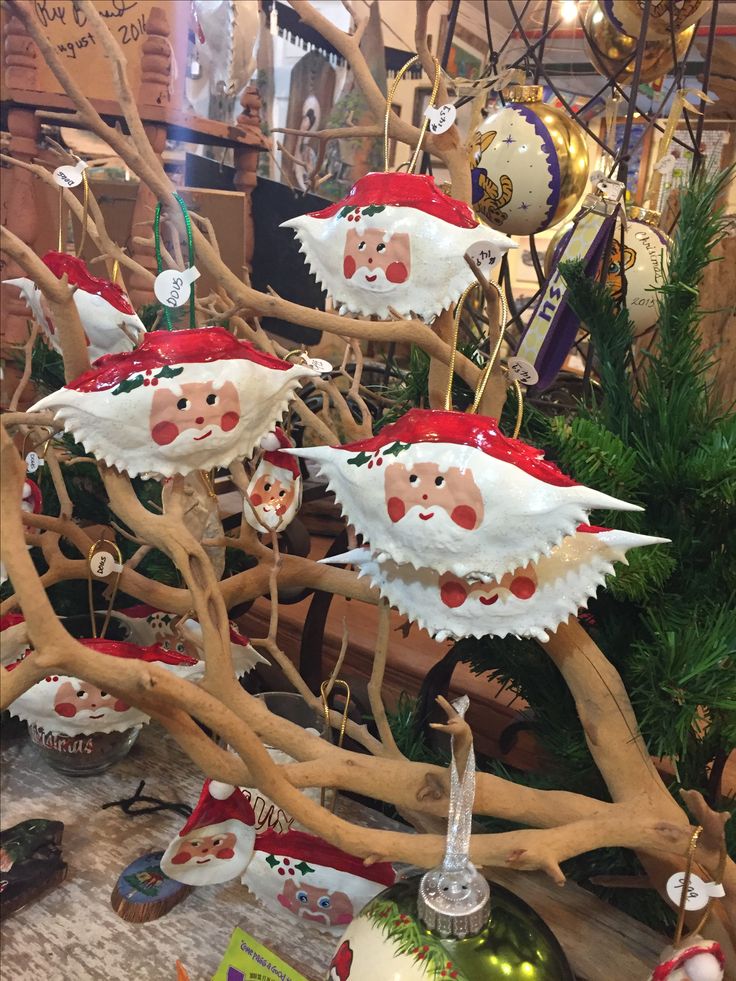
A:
(609, 49)
(664, 15)
(390, 938)
(555, 247)
(529, 163)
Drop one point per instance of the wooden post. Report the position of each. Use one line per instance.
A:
(246, 162)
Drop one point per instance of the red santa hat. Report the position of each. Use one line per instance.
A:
(400, 190)
(342, 962)
(303, 847)
(79, 275)
(32, 499)
(273, 444)
(664, 971)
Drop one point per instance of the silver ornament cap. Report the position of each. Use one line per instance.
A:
(454, 899)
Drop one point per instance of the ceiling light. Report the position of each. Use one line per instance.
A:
(569, 10)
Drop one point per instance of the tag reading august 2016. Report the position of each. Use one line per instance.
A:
(248, 960)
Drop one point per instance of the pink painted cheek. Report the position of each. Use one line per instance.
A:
(120, 705)
(397, 273)
(66, 710)
(523, 588)
(396, 509)
(453, 594)
(255, 500)
(229, 421)
(181, 859)
(342, 919)
(164, 433)
(225, 853)
(348, 267)
(284, 901)
(464, 516)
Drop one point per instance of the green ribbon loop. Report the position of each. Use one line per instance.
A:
(160, 261)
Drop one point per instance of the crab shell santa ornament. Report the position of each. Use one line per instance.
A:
(395, 242)
(447, 491)
(693, 960)
(110, 323)
(274, 493)
(184, 400)
(525, 602)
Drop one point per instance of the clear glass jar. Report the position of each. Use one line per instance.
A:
(82, 755)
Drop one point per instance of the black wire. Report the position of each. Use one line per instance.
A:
(127, 804)
(698, 158)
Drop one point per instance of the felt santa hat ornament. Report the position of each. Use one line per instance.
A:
(447, 491)
(184, 400)
(526, 602)
(317, 882)
(395, 242)
(107, 315)
(71, 706)
(699, 960)
(216, 843)
(274, 493)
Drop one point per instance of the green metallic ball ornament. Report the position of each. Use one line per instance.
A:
(388, 939)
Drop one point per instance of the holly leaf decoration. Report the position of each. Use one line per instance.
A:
(130, 384)
(345, 211)
(359, 460)
(373, 209)
(303, 868)
(410, 938)
(396, 448)
(272, 861)
(167, 372)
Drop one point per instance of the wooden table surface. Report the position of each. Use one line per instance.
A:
(72, 933)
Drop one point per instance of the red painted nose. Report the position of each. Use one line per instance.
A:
(370, 262)
(199, 420)
(424, 497)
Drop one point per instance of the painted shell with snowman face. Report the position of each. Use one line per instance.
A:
(527, 602)
(447, 491)
(184, 400)
(274, 493)
(73, 707)
(395, 242)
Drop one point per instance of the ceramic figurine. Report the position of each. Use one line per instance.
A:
(110, 323)
(216, 843)
(527, 602)
(395, 242)
(447, 491)
(184, 400)
(694, 959)
(274, 493)
(317, 882)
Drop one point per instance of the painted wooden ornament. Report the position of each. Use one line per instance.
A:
(646, 250)
(216, 843)
(274, 494)
(144, 892)
(693, 960)
(664, 15)
(184, 400)
(529, 164)
(110, 323)
(317, 882)
(526, 602)
(612, 52)
(447, 491)
(395, 242)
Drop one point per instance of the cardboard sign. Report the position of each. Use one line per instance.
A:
(248, 960)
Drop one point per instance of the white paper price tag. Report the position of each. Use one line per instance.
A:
(441, 118)
(172, 286)
(698, 891)
(103, 564)
(33, 462)
(483, 254)
(523, 371)
(319, 364)
(68, 175)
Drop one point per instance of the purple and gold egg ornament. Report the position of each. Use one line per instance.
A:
(529, 164)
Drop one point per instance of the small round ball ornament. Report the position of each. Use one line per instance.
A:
(529, 164)
(612, 52)
(664, 15)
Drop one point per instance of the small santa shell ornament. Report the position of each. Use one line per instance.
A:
(525, 602)
(216, 843)
(317, 882)
(395, 242)
(695, 960)
(32, 498)
(447, 491)
(184, 400)
(110, 323)
(274, 494)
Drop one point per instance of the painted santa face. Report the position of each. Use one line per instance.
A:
(315, 904)
(527, 602)
(377, 260)
(274, 493)
(447, 491)
(194, 413)
(184, 400)
(83, 702)
(396, 241)
(204, 849)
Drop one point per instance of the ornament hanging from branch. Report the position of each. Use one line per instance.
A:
(274, 494)
(185, 400)
(664, 15)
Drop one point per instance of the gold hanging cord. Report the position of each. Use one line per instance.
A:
(113, 594)
(85, 212)
(425, 121)
(325, 690)
(686, 883)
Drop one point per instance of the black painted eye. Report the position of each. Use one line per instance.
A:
(413, 478)
(81, 693)
(182, 404)
(361, 247)
(381, 247)
(103, 694)
(211, 399)
(267, 487)
(282, 493)
(439, 481)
